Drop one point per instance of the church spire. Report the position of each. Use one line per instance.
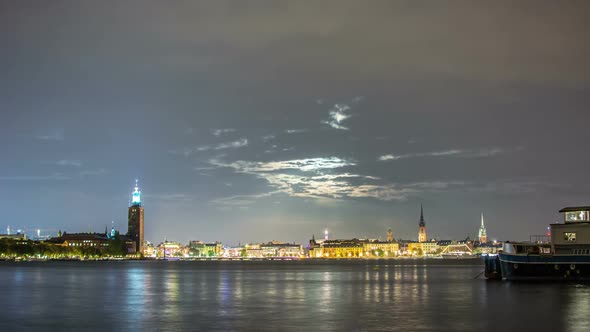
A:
(421, 226)
(483, 234)
(422, 223)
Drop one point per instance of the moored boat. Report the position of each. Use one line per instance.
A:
(565, 257)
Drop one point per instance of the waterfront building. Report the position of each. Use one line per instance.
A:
(403, 245)
(17, 236)
(338, 249)
(418, 248)
(444, 243)
(148, 249)
(171, 249)
(281, 249)
(483, 237)
(82, 240)
(202, 249)
(135, 225)
(421, 226)
(233, 252)
(353, 248)
(252, 251)
(389, 235)
(380, 248)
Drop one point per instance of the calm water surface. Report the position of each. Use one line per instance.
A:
(390, 295)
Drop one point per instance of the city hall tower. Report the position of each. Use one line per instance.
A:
(135, 219)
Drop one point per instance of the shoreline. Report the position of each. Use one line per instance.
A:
(315, 260)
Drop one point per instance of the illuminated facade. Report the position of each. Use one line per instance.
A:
(202, 249)
(83, 240)
(353, 248)
(421, 227)
(171, 249)
(380, 248)
(418, 248)
(252, 251)
(149, 250)
(135, 230)
(483, 235)
(281, 249)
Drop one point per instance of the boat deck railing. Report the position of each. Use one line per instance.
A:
(540, 238)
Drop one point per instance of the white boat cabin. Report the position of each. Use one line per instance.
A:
(573, 235)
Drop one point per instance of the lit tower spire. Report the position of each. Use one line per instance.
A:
(136, 195)
(326, 233)
(483, 236)
(421, 226)
(135, 222)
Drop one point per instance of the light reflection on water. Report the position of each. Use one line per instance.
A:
(296, 296)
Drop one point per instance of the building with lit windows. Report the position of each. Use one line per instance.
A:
(202, 249)
(281, 249)
(389, 235)
(337, 249)
(17, 236)
(135, 225)
(82, 240)
(252, 251)
(376, 248)
(148, 249)
(171, 249)
(353, 248)
(421, 248)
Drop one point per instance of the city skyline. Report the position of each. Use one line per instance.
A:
(135, 227)
(341, 115)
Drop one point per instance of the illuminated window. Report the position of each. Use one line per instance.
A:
(569, 236)
(573, 216)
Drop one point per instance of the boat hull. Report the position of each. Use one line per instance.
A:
(538, 267)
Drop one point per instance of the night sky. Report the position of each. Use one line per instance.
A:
(250, 121)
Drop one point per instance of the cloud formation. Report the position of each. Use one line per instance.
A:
(187, 152)
(227, 145)
(69, 162)
(221, 131)
(305, 165)
(487, 152)
(338, 114)
(319, 178)
(54, 176)
(295, 131)
(53, 135)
